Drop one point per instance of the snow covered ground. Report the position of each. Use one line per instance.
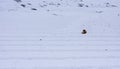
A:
(51, 37)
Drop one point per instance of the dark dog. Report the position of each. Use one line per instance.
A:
(84, 31)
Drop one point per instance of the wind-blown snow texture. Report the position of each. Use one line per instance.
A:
(47, 34)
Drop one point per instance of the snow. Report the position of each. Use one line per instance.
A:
(50, 37)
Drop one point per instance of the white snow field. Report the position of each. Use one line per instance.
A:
(51, 37)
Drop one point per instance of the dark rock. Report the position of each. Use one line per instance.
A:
(18, 1)
(81, 5)
(23, 5)
(29, 3)
(33, 9)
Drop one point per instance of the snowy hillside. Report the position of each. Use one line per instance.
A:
(13, 5)
(59, 34)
